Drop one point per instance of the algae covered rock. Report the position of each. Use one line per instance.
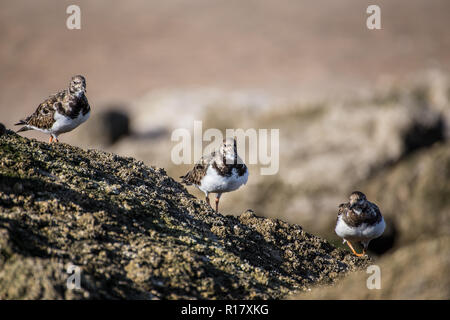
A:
(135, 233)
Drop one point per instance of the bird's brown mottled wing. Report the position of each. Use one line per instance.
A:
(350, 217)
(370, 214)
(43, 117)
(373, 213)
(342, 209)
(195, 175)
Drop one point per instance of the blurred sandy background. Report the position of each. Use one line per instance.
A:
(286, 47)
(356, 108)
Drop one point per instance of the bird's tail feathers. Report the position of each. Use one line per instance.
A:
(20, 123)
(24, 128)
(185, 180)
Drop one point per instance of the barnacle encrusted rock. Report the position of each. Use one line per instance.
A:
(136, 233)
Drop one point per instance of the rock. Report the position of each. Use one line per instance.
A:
(2, 129)
(104, 128)
(424, 132)
(414, 194)
(388, 239)
(431, 90)
(416, 271)
(17, 274)
(135, 233)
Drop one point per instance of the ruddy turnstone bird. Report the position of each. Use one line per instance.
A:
(359, 220)
(61, 112)
(219, 172)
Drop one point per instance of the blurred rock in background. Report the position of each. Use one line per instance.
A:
(415, 194)
(416, 271)
(2, 129)
(104, 127)
(387, 240)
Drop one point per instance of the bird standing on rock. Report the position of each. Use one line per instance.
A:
(219, 172)
(61, 112)
(359, 220)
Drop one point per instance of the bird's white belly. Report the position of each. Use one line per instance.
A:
(212, 182)
(361, 233)
(47, 131)
(65, 124)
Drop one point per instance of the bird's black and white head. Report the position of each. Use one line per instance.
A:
(357, 198)
(77, 86)
(229, 150)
